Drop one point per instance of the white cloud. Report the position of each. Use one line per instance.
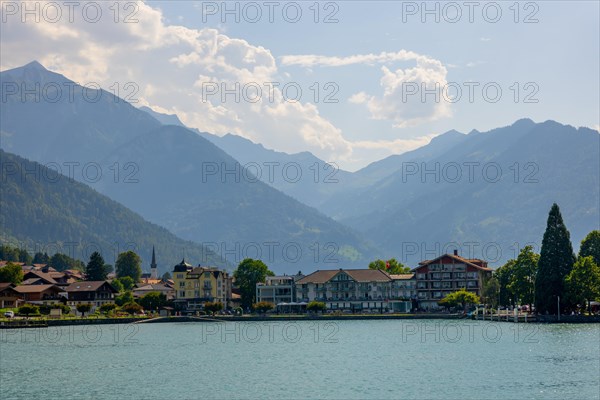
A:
(169, 63)
(405, 101)
(325, 61)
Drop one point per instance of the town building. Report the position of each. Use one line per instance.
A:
(93, 292)
(141, 289)
(278, 289)
(356, 290)
(41, 294)
(196, 286)
(9, 297)
(446, 274)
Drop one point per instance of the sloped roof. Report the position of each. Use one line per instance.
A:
(402, 276)
(319, 276)
(43, 275)
(469, 261)
(4, 285)
(368, 275)
(359, 275)
(88, 286)
(36, 288)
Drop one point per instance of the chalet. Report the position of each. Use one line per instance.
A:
(41, 294)
(446, 274)
(94, 292)
(355, 290)
(9, 297)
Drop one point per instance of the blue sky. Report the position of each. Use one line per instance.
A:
(368, 61)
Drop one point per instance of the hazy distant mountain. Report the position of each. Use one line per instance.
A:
(483, 190)
(302, 176)
(165, 119)
(46, 210)
(61, 121)
(162, 172)
(499, 200)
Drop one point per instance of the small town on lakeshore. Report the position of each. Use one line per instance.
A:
(539, 286)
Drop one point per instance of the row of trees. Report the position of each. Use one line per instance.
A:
(128, 264)
(58, 261)
(556, 273)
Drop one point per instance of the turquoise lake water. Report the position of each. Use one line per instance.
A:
(391, 359)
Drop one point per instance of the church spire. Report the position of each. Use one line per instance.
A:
(153, 269)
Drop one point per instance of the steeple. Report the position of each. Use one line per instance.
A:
(153, 268)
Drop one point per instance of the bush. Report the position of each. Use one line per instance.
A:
(29, 309)
(213, 307)
(132, 308)
(316, 306)
(262, 307)
(107, 307)
(124, 298)
(83, 308)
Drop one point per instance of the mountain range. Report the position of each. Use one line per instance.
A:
(485, 193)
(45, 211)
(170, 175)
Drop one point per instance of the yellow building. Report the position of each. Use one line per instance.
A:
(195, 286)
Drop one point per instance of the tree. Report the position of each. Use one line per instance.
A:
(24, 257)
(61, 262)
(9, 253)
(262, 307)
(124, 298)
(28, 309)
(153, 300)
(129, 264)
(391, 266)
(95, 269)
(166, 276)
(12, 273)
(132, 308)
(248, 273)
(107, 307)
(126, 283)
(41, 258)
(462, 297)
(583, 282)
(108, 268)
(83, 308)
(490, 291)
(504, 276)
(213, 307)
(555, 263)
(316, 306)
(522, 280)
(590, 246)
(116, 283)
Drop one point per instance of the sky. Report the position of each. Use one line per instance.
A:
(350, 81)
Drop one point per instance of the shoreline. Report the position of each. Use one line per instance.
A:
(25, 324)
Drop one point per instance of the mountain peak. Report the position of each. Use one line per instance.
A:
(35, 66)
(523, 122)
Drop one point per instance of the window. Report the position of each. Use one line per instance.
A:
(182, 293)
(181, 284)
(420, 276)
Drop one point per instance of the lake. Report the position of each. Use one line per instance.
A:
(386, 359)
